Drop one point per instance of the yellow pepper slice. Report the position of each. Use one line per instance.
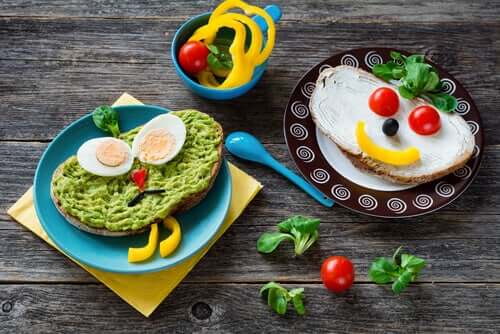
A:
(242, 69)
(144, 253)
(207, 79)
(392, 157)
(249, 10)
(244, 62)
(170, 244)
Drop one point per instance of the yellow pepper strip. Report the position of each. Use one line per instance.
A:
(144, 253)
(169, 245)
(249, 10)
(392, 157)
(207, 79)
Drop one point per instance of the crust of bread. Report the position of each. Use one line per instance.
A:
(381, 169)
(374, 167)
(185, 205)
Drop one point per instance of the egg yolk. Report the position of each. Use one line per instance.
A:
(111, 153)
(156, 145)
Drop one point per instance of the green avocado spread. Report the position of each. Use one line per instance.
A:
(102, 202)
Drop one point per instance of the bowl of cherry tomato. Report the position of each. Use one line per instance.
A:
(191, 57)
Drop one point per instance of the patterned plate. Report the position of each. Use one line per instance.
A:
(302, 141)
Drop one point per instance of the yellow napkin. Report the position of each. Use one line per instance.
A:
(146, 291)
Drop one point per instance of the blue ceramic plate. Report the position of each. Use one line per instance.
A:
(198, 225)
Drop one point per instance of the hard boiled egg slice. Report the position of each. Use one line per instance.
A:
(160, 140)
(105, 156)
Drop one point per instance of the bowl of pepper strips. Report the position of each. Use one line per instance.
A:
(221, 55)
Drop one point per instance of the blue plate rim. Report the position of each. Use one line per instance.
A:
(82, 260)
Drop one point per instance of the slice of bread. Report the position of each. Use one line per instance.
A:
(340, 100)
(180, 207)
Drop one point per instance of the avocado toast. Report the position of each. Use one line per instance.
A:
(99, 204)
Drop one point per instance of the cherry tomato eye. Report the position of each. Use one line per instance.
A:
(193, 57)
(337, 273)
(384, 101)
(424, 120)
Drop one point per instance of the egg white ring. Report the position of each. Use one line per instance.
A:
(87, 158)
(175, 127)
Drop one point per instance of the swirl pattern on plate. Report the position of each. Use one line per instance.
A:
(463, 107)
(299, 109)
(305, 153)
(372, 58)
(299, 131)
(349, 60)
(308, 89)
(423, 202)
(474, 127)
(340, 192)
(397, 205)
(444, 189)
(448, 86)
(368, 202)
(320, 175)
(463, 172)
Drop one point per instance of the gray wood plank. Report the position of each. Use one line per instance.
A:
(55, 70)
(460, 241)
(325, 10)
(237, 308)
(460, 252)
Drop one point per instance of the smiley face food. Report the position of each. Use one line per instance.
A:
(400, 146)
(177, 179)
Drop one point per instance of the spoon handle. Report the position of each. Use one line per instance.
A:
(300, 182)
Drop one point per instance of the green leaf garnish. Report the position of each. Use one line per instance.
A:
(301, 230)
(401, 270)
(106, 119)
(416, 78)
(214, 49)
(278, 298)
(219, 59)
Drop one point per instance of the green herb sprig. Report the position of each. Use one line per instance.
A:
(219, 59)
(278, 298)
(106, 119)
(416, 79)
(401, 270)
(301, 230)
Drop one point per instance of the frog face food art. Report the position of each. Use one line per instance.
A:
(120, 186)
(221, 63)
(402, 138)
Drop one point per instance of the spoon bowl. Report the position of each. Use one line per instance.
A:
(246, 146)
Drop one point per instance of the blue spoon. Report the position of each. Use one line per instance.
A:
(245, 146)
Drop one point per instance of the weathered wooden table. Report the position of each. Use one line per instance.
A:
(59, 59)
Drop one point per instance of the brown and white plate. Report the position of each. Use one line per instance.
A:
(322, 163)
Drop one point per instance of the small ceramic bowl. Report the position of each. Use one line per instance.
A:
(187, 30)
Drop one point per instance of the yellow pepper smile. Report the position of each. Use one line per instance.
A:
(388, 156)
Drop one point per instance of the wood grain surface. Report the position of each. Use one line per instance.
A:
(60, 58)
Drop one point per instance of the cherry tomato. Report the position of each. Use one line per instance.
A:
(193, 57)
(424, 120)
(384, 101)
(337, 273)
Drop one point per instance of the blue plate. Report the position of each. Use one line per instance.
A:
(198, 225)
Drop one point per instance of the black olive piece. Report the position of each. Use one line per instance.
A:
(390, 127)
(154, 191)
(136, 199)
